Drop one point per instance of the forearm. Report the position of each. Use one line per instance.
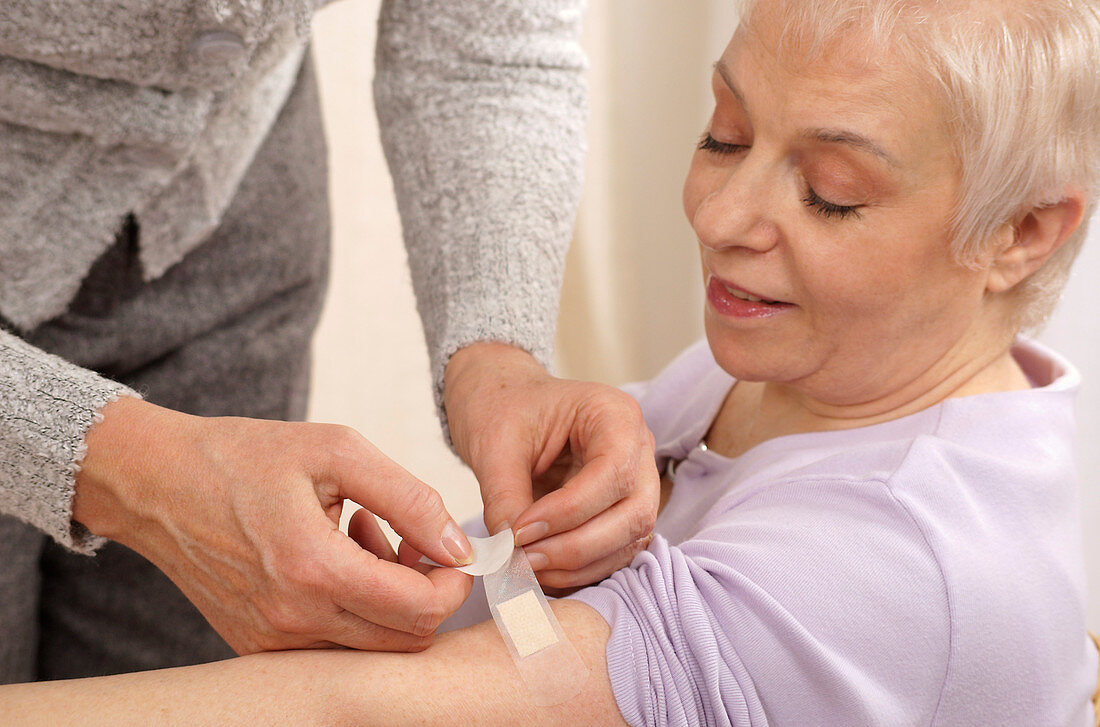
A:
(482, 108)
(467, 677)
(135, 447)
(278, 688)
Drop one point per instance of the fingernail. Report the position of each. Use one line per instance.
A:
(500, 528)
(538, 561)
(455, 542)
(531, 532)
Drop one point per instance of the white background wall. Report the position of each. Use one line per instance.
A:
(370, 362)
(631, 297)
(1074, 330)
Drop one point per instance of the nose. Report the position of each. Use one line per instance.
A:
(734, 211)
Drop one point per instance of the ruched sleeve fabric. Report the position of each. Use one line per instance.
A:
(769, 615)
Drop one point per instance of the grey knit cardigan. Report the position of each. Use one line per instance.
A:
(115, 107)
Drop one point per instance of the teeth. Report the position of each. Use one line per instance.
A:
(744, 296)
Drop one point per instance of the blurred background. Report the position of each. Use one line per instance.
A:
(632, 297)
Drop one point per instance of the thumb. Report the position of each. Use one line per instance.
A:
(505, 481)
(412, 508)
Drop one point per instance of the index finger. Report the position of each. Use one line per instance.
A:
(598, 486)
(414, 510)
(392, 595)
(613, 468)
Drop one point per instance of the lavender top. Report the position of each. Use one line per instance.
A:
(924, 571)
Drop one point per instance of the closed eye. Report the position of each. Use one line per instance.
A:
(826, 208)
(822, 206)
(709, 143)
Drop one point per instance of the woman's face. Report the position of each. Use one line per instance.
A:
(825, 189)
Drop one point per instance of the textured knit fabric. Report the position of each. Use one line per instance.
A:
(83, 151)
(156, 110)
(481, 109)
(924, 571)
(48, 406)
(224, 332)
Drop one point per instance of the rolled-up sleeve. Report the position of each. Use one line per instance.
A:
(662, 672)
(791, 608)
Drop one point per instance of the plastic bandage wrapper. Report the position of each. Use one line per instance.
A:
(548, 663)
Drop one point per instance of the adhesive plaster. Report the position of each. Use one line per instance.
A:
(546, 661)
(526, 623)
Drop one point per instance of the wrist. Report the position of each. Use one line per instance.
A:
(471, 358)
(112, 483)
(476, 381)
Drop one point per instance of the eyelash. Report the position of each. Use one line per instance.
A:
(821, 206)
(709, 143)
(826, 208)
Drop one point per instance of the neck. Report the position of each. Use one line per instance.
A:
(755, 412)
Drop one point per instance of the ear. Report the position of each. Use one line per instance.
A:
(1035, 236)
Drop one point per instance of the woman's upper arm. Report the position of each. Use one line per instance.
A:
(787, 608)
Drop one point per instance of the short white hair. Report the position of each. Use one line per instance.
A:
(1020, 85)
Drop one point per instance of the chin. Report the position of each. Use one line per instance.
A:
(748, 361)
(744, 364)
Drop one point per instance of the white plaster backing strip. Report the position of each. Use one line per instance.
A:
(490, 554)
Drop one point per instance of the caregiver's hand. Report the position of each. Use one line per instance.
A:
(242, 515)
(512, 422)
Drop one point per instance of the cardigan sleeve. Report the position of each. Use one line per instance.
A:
(482, 107)
(47, 406)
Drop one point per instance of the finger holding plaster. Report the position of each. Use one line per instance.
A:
(489, 554)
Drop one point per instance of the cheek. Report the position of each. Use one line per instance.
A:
(890, 291)
(862, 279)
(846, 295)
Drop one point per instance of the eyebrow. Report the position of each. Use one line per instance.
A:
(849, 138)
(828, 136)
(728, 80)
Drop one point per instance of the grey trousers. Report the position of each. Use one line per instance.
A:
(224, 332)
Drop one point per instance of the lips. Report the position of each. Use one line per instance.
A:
(731, 300)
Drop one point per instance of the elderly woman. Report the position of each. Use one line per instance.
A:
(869, 512)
